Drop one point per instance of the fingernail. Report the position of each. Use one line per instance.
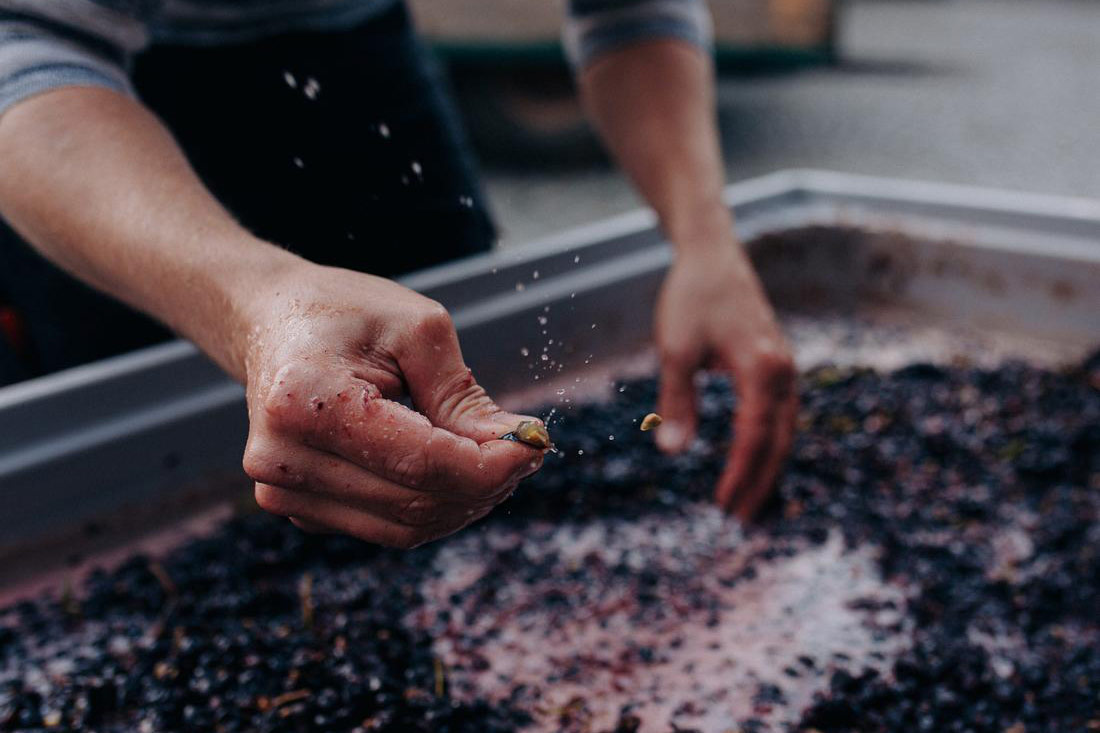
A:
(672, 436)
(505, 425)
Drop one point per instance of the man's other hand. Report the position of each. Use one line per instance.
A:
(713, 312)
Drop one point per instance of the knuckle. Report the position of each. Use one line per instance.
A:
(278, 412)
(263, 463)
(282, 405)
(273, 500)
(433, 322)
(420, 511)
(255, 461)
(405, 468)
(776, 369)
(463, 395)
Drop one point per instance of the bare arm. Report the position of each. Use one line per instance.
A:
(653, 102)
(98, 185)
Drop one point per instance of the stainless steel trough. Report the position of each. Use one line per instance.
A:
(149, 433)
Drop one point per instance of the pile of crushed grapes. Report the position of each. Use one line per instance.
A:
(930, 562)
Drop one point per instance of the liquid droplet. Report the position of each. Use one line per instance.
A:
(290, 80)
(383, 129)
(524, 351)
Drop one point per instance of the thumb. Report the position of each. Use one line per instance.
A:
(462, 406)
(676, 405)
(444, 389)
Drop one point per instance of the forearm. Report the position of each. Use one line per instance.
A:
(653, 104)
(95, 183)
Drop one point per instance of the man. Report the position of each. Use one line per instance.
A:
(316, 127)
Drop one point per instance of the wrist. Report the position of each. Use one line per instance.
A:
(701, 230)
(261, 275)
(242, 287)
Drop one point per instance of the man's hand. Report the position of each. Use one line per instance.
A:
(323, 352)
(653, 101)
(330, 448)
(713, 312)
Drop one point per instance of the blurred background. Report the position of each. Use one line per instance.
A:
(1003, 94)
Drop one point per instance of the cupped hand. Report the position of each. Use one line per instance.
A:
(330, 446)
(712, 312)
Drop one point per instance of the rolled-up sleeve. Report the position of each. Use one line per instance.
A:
(48, 45)
(594, 27)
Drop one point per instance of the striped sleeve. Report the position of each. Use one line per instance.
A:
(593, 27)
(48, 45)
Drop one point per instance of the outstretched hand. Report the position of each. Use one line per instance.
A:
(331, 448)
(713, 311)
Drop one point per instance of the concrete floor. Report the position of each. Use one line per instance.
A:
(1001, 93)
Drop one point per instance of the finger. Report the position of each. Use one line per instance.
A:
(316, 513)
(676, 403)
(751, 435)
(747, 502)
(444, 388)
(303, 469)
(349, 417)
(763, 389)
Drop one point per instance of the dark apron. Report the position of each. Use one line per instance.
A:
(340, 146)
